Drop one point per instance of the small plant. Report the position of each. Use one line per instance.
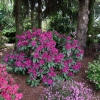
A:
(93, 73)
(68, 90)
(8, 88)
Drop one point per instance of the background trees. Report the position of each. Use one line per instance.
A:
(65, 16)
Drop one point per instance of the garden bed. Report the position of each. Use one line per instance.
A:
(34, 93)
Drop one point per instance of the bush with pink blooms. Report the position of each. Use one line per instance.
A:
(8, 88)
(68, 90)
(46, 56)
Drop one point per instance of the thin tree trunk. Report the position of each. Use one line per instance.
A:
(32, 18)
(32, 13)
(91, 16)
(91, 20)
(18, 19)
(82, 25)
(39, 14)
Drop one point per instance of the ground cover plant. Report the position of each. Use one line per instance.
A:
(8, 89)
(93, 73)
(68, 90)
(46, 56)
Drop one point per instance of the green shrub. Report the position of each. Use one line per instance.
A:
(10, 36)
(3, 40)
(93, 73)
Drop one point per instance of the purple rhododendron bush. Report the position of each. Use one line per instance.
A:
(8, 88)
(68, 90)
(46, 56)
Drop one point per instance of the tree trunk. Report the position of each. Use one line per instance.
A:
(91, 16)
(82, 25)
(39, 14)
(90, 23)
(32, 18)
(32, 13)
(18, 17)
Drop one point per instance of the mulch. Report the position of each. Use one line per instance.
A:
(34, 92)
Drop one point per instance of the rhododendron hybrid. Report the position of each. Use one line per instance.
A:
(38, 52)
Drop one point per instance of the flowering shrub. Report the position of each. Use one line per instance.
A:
(8, 89)
(68, 90)
(44, 57)
(93, 73)
(18, 61)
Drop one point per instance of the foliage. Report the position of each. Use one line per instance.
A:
(45, 56)
(8, 88)
(6, 18)
(97, 8)
(61, 24)
(93, 73)
(7, 22)
(68, 90)
(64, 19)
(1, 98)
(10, 35)
(3, 40)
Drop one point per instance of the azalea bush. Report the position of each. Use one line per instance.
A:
(8, 89)
(68, 90)
(93, 73)
(46, 56)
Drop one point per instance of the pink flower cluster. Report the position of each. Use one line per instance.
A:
(67, 90)
(8, 88)
(43, 55)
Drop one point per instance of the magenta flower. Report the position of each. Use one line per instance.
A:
(34, 29)
(52, 74)
(36, 55)
(18, 63)
(44, 79)
(33, 43)
(25, 43)
(68, 38)
(50, 81)
(68, 46)
(6, 59)
(18, 96)
(75, 42)
(39, 48)
(66, 63)
(65, 69)
(41, 62)
(70, 74)
(76, 67)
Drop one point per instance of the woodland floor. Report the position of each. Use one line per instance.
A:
(34, 93)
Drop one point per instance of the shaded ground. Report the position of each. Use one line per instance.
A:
(34, 93)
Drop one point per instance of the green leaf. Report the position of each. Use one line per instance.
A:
(65, 76)
(32, 83)
(1, 98)
(58, 77)
(36, 82)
